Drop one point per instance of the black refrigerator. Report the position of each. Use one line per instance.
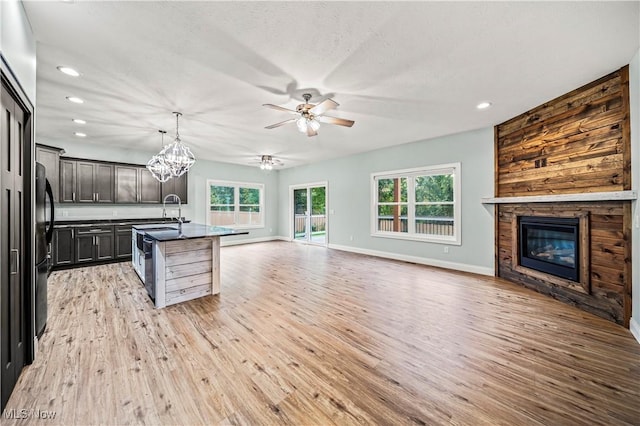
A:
(43, 235)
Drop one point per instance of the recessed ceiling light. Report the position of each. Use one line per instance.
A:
(75, 100)
(69, 71)
(483, 105)
(80, 135)
(78, 121)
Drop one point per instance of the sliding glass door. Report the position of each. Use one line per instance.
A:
(310, 213)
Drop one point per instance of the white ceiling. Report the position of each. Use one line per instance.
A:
(404, 71)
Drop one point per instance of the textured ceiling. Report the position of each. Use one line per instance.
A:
(404, 71)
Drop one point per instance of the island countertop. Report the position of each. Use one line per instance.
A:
(171, 232)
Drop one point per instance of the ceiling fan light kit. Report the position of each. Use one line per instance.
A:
(266, 163)
(311, 115)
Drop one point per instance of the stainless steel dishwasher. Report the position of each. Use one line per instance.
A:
(149, 267)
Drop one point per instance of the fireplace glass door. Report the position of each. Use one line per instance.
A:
(550, 245)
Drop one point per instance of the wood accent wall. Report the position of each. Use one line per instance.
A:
(579, 142)
(608, 291)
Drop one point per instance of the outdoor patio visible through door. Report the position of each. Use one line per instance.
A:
(309, 213)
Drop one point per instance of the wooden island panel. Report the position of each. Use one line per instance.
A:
(187, 269)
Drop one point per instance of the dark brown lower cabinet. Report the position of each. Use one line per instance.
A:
(94, 244)
(123, 241)
(62, 247)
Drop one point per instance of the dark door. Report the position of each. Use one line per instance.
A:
(63, 246)
(67, 181)
(85, 192)
(104, 246)
(84, 247)
(126, 184)
(123, 242)
(149, 187)
(103, 180)
(13, 321)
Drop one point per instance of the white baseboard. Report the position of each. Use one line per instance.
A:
(415, 259)
(234, 242)
(634, 326)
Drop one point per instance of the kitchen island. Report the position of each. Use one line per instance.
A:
(179, 262)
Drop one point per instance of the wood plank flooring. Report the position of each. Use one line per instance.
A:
(311, 336)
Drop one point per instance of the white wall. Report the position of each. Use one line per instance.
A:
(196, 208)
(18, 45)
(350, 199)
(634, 96)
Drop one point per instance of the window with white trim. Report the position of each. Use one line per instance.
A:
(417, 204)
(235, 204)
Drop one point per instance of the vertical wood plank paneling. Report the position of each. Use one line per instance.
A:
(159, 255)
(215, 265)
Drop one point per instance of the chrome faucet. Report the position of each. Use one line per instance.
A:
(164, 209)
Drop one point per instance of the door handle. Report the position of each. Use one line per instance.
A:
(49, 191)
(73, 196)
(97, 196)
(15, 261)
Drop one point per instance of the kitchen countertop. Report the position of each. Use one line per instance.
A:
(108, 222)
(189, 231)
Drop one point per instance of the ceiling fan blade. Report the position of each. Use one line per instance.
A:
(311, 132)
(324, 106)
(335, 120)
(273, 126)
(290, 111)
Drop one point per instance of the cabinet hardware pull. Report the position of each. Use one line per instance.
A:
(97, 196)
(15, 261)
(73, 196)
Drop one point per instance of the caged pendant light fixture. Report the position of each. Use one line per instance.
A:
(157, 166)
(177, 155)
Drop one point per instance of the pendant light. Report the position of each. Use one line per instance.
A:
(177, 155)
(157, 165)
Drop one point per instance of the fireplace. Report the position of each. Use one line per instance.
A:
(550, 245)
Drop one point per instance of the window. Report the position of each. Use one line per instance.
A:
(235, 204)
(417, 204)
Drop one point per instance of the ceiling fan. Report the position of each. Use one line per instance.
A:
(267, 162)
(310, 116)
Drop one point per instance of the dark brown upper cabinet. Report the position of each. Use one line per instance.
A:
(86, 181)
(49, 157)
(89, 181)
(67, 181)
(176, 186)
(94, 182)
(135, 184)
(149, 187)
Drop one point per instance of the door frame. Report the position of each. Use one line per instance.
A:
(290, 218)
(11, 84)
(28, 157)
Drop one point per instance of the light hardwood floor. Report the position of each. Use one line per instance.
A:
(305, 335)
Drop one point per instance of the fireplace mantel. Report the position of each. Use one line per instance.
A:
(561, 198)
